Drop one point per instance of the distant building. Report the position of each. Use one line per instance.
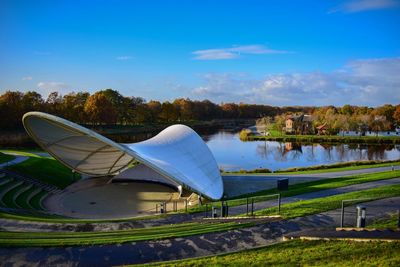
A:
(299, 124)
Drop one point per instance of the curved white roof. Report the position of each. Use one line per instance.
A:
(178, 153)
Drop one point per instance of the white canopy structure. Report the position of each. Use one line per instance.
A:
(177, 153)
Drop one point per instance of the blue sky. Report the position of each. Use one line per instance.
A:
(266, 52)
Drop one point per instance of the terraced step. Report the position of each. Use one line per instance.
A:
(22, 190)
(23, 199)
(8, 187)
(4, 181)
(36, 200)
(9, 197)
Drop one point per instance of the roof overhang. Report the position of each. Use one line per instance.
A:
(178, 153)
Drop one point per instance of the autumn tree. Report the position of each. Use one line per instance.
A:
(11, 109)
(100, 110)
(396, 115)
(168, 112)
(74, 106)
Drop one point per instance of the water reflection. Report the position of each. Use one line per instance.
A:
(233, 154)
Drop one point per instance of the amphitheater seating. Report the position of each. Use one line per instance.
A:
(18, 194)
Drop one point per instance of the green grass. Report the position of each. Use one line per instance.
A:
(47, 170)
(6, 158)
(386, 223)
(50, 239)
(22, 152)
(318, 205)
(304, 253)
(308, 187)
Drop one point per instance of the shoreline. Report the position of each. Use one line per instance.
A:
(332, 139)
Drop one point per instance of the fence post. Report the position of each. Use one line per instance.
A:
(252, 206)
(156, 208)
(206, 212)
(247, 206)
(279, 203)
(342, 216)
(186, 205)
(165, 207)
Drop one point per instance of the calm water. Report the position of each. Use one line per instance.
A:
(233, 154)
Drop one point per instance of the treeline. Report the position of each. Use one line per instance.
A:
(108, 107)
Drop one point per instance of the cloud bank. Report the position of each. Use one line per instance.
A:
(362, 82)
(234, 52)
(45, 88)
(355, 6)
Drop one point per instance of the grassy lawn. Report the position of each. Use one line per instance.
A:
(309, 187)
(29, 239)
(318, 205)
(45, 169)
(304, 253)
(5, 158)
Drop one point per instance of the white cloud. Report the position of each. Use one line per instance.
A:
(27, 78)
(361, 82)
(46, 88)
(123, 58)
(234, 52)
(364, 5)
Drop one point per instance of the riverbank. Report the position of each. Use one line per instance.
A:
(331, 139)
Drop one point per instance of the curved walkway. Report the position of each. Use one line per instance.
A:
(18, 159)
(187, 247)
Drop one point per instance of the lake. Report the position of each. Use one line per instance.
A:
(232, 154)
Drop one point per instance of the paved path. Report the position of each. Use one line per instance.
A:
(18, 159)
(179, 248)
(235, 185)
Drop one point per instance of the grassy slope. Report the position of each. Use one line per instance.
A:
(304, 253)
(5, 158)
(28, 239)
(318, 205)
(384, 223)
(45, 169)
